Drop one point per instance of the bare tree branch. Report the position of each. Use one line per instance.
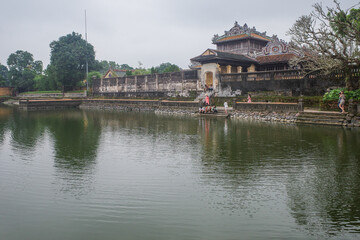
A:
(330, 38)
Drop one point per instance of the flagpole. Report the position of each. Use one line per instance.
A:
(87, 65)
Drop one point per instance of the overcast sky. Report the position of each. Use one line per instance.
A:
(149, 31)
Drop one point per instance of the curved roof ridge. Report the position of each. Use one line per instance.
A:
(238, 32)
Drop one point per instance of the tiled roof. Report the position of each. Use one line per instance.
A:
(275, 58)
(233, 37)
(223, 56)
(254, 35)
(242, 36)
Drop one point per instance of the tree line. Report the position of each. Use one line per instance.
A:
(67, 69)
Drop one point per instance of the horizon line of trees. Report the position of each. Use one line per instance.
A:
(67, 68)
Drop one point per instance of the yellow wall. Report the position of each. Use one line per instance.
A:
(5, 91)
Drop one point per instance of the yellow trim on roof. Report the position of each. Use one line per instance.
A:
(208, 52)
(254, 35)
(233, 37)
(258, 36)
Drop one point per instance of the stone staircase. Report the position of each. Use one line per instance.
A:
(328, 118)
(201, 96)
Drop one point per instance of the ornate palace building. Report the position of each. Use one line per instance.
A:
(239, 50)
(245, 60)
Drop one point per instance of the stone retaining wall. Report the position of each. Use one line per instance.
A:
(141, 105)
(48, 104)
(268, 107)
(55, 95)
(289, 117)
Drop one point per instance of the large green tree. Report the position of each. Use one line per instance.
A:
(330, 37)
(22, 70)
(68, 59)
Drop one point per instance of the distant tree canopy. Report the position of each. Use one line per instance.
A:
(22, 70)
(47, 81)
(165, 67)
(162, 68)
(68, 59)
(93, 75)
(4, 80)
(105, 65)
(141, 71)
(331, 39)
(125, 67)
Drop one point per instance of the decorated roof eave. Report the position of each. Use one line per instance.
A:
(274, 62)
(221, 60)
(217, 56)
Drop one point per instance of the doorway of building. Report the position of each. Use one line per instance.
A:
(209, 79)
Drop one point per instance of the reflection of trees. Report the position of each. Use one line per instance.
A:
(326, 188)
(319, 165)
(239, 155)
(75, 134)
(5, 114)
(76, 138)
(25, 131)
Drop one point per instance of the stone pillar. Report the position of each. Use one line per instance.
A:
(228, 69)
(182, 81)
(146, 83)
(126, 85)
(234, 104)
(135, 83)
(239, 69)
(352, 108)
(117, 84)
(251, 68)
(157, 82)
(301, 105)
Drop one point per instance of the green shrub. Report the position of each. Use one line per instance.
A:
(334, 94)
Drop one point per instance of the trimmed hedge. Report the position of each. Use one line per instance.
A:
(331, 105)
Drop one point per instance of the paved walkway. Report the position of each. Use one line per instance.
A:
(325, 112)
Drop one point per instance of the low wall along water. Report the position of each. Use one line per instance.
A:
(268, 107)
(140, 105)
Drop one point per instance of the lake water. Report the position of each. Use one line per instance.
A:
(74, 174)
